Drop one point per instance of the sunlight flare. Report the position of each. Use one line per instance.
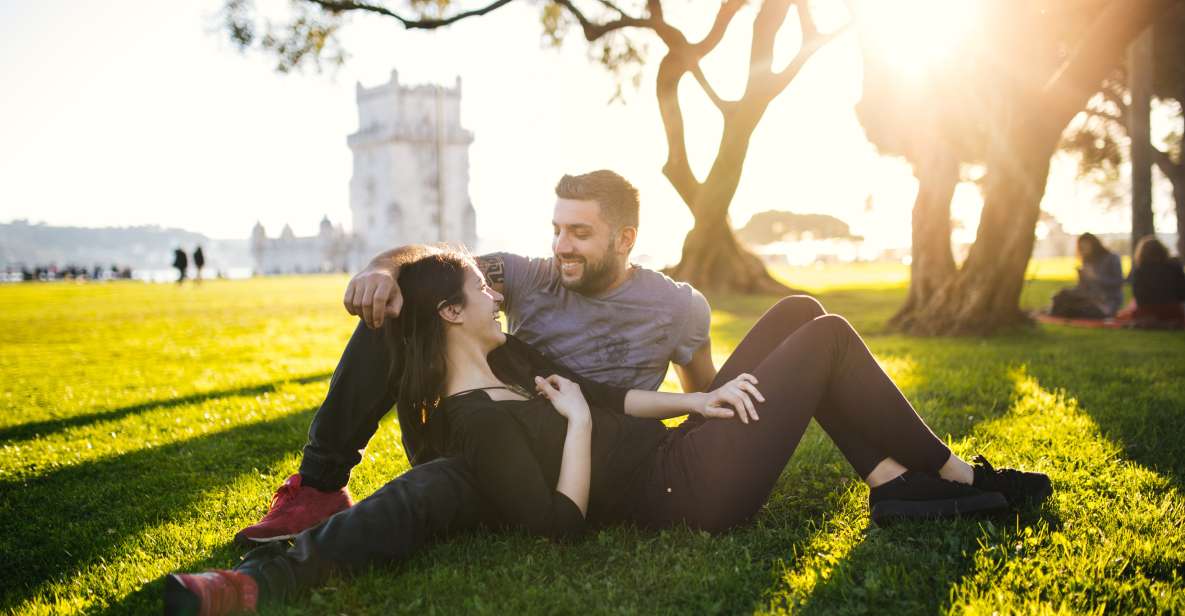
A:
(916, 35)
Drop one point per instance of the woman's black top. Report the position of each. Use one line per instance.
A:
(1158, 283)
(514, 447)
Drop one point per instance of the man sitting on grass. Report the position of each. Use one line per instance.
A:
(587, 306)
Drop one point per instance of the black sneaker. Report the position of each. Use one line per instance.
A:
(1021, 488)
(921, 496)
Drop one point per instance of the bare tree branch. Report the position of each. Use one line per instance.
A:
(593, 30)
(809, 47)
(724, 16)
(1115, 97)
(1103, 115)
(721, 104)
(672, 37)
(1165, 163)
(345, 6)
(1096, 54)
(766, 25)
(806, 21)
(677, 169)
(613, 7)
(654, 7)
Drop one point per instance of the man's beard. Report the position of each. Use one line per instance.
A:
(597, 276)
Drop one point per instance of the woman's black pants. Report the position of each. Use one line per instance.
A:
(714, 474)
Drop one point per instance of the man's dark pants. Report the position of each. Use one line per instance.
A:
(432, 499)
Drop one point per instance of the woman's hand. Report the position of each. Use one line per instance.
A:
(565, 396)
(740, 393)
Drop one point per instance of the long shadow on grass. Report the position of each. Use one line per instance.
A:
(1132, 383)
(908, 568)
(59, 523)
(903, 569)
(51, 426)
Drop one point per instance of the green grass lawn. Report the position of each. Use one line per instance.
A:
(143, 425)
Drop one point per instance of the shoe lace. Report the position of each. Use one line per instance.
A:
(285, 493)
(1009, 480)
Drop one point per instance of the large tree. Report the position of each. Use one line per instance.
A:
(922, 117)
(1099, 136)
(712, 258)
(1034, 68)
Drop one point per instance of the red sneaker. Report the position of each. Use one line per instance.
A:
(294, 508)
(213, 593)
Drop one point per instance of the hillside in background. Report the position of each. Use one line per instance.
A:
(775, 226)
(141, 248)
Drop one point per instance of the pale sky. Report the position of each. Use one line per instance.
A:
(139, 112)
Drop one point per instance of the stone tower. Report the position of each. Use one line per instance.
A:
(411, 167)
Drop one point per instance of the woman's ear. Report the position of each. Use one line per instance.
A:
(452, 313)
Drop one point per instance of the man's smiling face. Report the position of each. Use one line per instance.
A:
(584, 246)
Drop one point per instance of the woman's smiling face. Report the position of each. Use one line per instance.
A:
(482, 305)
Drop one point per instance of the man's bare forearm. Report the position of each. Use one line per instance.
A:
(494, 269)
(398, 257)
(492, 266)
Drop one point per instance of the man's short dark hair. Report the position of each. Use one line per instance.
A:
(616, 196)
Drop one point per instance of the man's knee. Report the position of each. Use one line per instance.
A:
(803, 305)
(834, 324)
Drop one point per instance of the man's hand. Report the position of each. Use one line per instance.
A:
(740, 394)
(373, 294)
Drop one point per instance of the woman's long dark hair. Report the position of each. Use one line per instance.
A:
(1150, 250)
(1097, 249)
(434, 280)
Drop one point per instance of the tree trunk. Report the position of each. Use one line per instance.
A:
(984, 295)
(1175, 172)
(1139, 70)
(1178, 180)
(1179, 199)
(932, 263)
(714, 261)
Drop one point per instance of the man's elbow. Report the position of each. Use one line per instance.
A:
(400, 255)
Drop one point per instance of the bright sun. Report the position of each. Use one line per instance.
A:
(916, 34)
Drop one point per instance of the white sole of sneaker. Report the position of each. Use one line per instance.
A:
(262, 540)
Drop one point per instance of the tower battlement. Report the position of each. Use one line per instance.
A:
(411, 166)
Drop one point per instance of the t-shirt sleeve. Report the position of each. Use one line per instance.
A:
(697, 322)
(509, 475)
(522, 276)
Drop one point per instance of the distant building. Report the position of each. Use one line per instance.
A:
(410, 184)
(1052, 239)
(411, 167)
(331, 250)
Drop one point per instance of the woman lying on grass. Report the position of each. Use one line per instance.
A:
(554, 453)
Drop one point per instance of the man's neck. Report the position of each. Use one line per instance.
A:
(625, 274)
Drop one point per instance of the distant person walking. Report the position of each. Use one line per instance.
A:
(1099, 293)
(181, 262)
(199, 261)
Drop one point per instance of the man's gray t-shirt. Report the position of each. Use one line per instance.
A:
(626, 336)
